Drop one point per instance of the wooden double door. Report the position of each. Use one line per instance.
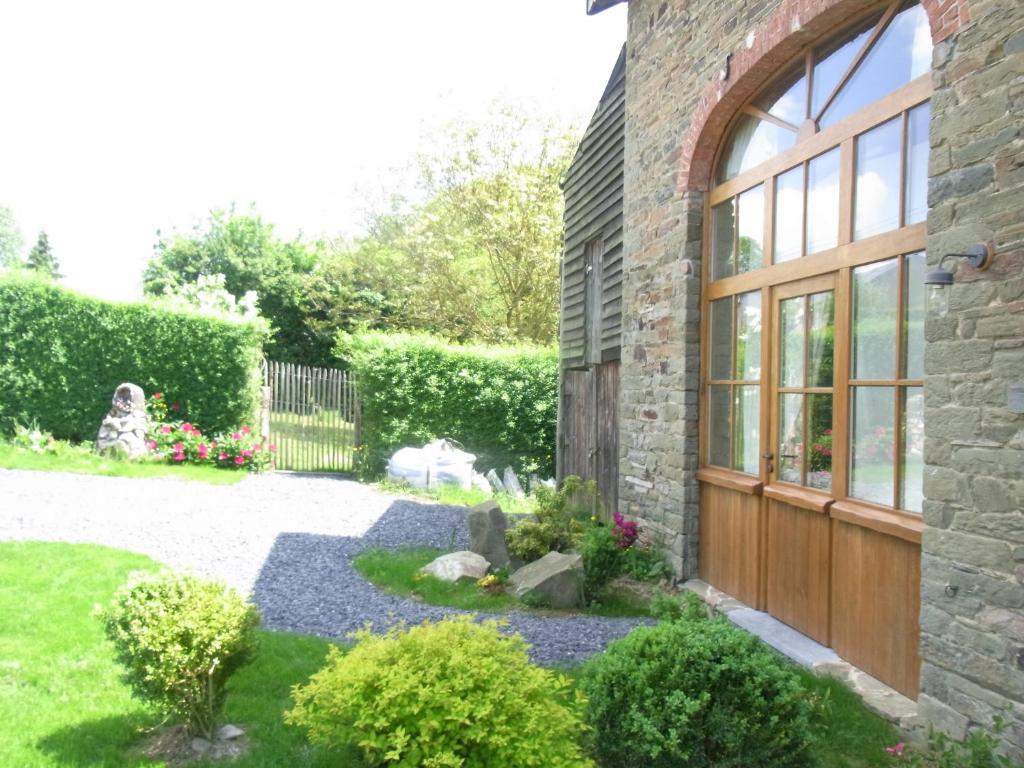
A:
(589, 439)
(783, 536)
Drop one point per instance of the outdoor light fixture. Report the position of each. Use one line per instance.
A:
(938, 279)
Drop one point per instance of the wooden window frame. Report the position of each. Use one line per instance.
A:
(838, 261)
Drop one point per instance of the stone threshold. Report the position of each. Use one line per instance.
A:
(876, 695)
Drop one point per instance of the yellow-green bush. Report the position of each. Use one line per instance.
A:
(63, 354)
(454, 693)
(501, 403)
(179, 639)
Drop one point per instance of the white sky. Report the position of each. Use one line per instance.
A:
(121, 118)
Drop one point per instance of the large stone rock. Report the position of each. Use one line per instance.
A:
(556, 580)
(123, 431)
(456, 566)
(511, 483)
(487, 525)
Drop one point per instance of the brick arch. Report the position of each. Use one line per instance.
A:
(769, 47)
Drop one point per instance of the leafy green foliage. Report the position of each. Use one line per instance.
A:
(978, 750)
(500, 403)
(244, 249)
(62, 355)
(602, 559)
(454, 693)
(557, 523)
(41, 259)
(696, 693)
(684, 607)
(179, 639)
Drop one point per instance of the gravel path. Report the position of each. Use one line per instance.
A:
(288, 539)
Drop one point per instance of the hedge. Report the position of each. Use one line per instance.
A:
(63, 354)
(501, 403)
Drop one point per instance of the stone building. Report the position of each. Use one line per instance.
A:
(807, 418)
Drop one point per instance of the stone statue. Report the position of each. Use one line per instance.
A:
(123, 431)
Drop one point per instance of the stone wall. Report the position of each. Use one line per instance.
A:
(686, 67)
(972, 566)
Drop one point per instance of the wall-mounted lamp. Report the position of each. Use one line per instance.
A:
(938, 279)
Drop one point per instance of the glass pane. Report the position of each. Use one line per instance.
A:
(791, 367)
(912, 458)
(718, 425)
(723, 221)
(832, 63)
(791, 437)
(819, 354)
(721, 338)
(913, 323)
(902, 53)
(874, 320)
(747, 432)
(789, 104)
(872, 454)
(876, 206)
(789, 214)
(753, 141)
(916, 197)
(819, 458)
(748, 336)
(823, 202)
(751, 240)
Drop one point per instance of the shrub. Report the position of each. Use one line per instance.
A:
(696, 693)
(454, 693)
(63, 354)
(602, 559)
(499, 402)
(179, 639)
(557, 524)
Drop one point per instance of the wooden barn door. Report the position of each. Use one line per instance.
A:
(590, 428)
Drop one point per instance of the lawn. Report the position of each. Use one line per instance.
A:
(62, 704)
(80, 459)
(316, 442)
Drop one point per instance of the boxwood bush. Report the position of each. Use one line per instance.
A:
(63, 354)
(454, 693)
(696, 693)
(501, 403)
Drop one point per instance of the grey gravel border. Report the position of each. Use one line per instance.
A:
(289, 539)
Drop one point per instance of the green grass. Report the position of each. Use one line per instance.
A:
(61, 701)
(81, 460)
(315, 442)
(454, 496)
(397, 571)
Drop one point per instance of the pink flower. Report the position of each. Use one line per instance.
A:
(828, 431)
(236, 435)
(247, 454)
(157, 395)
(178, 447)
(258, 447)
(203, 451)
(246, 430)
(175, 407)
(179, 457)
(186, 427)
(272, 448)
(239, 460)
(221, 456)
(165, 429)
(151, 444)
(896, 749)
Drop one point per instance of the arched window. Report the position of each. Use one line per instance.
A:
(814, 263)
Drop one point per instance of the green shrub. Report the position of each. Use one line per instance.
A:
(63, 354)
(603, 559)
(684, 607)
(454, 693)
(179, 639)
(696, 693)
(501, 403)
(557, 523)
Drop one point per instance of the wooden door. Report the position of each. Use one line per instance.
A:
(799, 490)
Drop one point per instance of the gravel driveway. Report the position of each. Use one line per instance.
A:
(289, 539)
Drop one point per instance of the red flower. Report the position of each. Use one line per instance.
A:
(165, 429)
(179, 457)
(203, 451)
(157, 395)
(828, 431)
(239, 460)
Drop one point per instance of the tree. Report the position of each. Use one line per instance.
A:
(42, 260)
(11, 241)
(243, 248)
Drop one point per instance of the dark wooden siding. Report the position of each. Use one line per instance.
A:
(593, 210)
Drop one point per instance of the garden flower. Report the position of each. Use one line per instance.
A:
(221, 456)
(896, 749)
(165, 429)
(179, 457)
(158, 395)
(247, 454)
(178, 448)
(272, 448)
(203, 451)
(151, 444)
(246, 430)
(175, 407)
(239, 460)
(186, 427)
(236, 435)
(258, 446)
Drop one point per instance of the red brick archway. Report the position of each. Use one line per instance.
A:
(769, 47)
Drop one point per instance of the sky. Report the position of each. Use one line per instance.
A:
(122, 118)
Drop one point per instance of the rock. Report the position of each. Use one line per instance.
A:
(229, 732)
(511, 483)
(201, 746)
(487, 525)
(556, 580)
(123, 431)
(495, 481)
(481, 483)
(457, 565)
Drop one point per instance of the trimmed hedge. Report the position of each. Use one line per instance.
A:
(501, 403)
(63, 354)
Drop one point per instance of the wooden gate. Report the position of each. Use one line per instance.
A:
(589, 429)
(311, 415)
